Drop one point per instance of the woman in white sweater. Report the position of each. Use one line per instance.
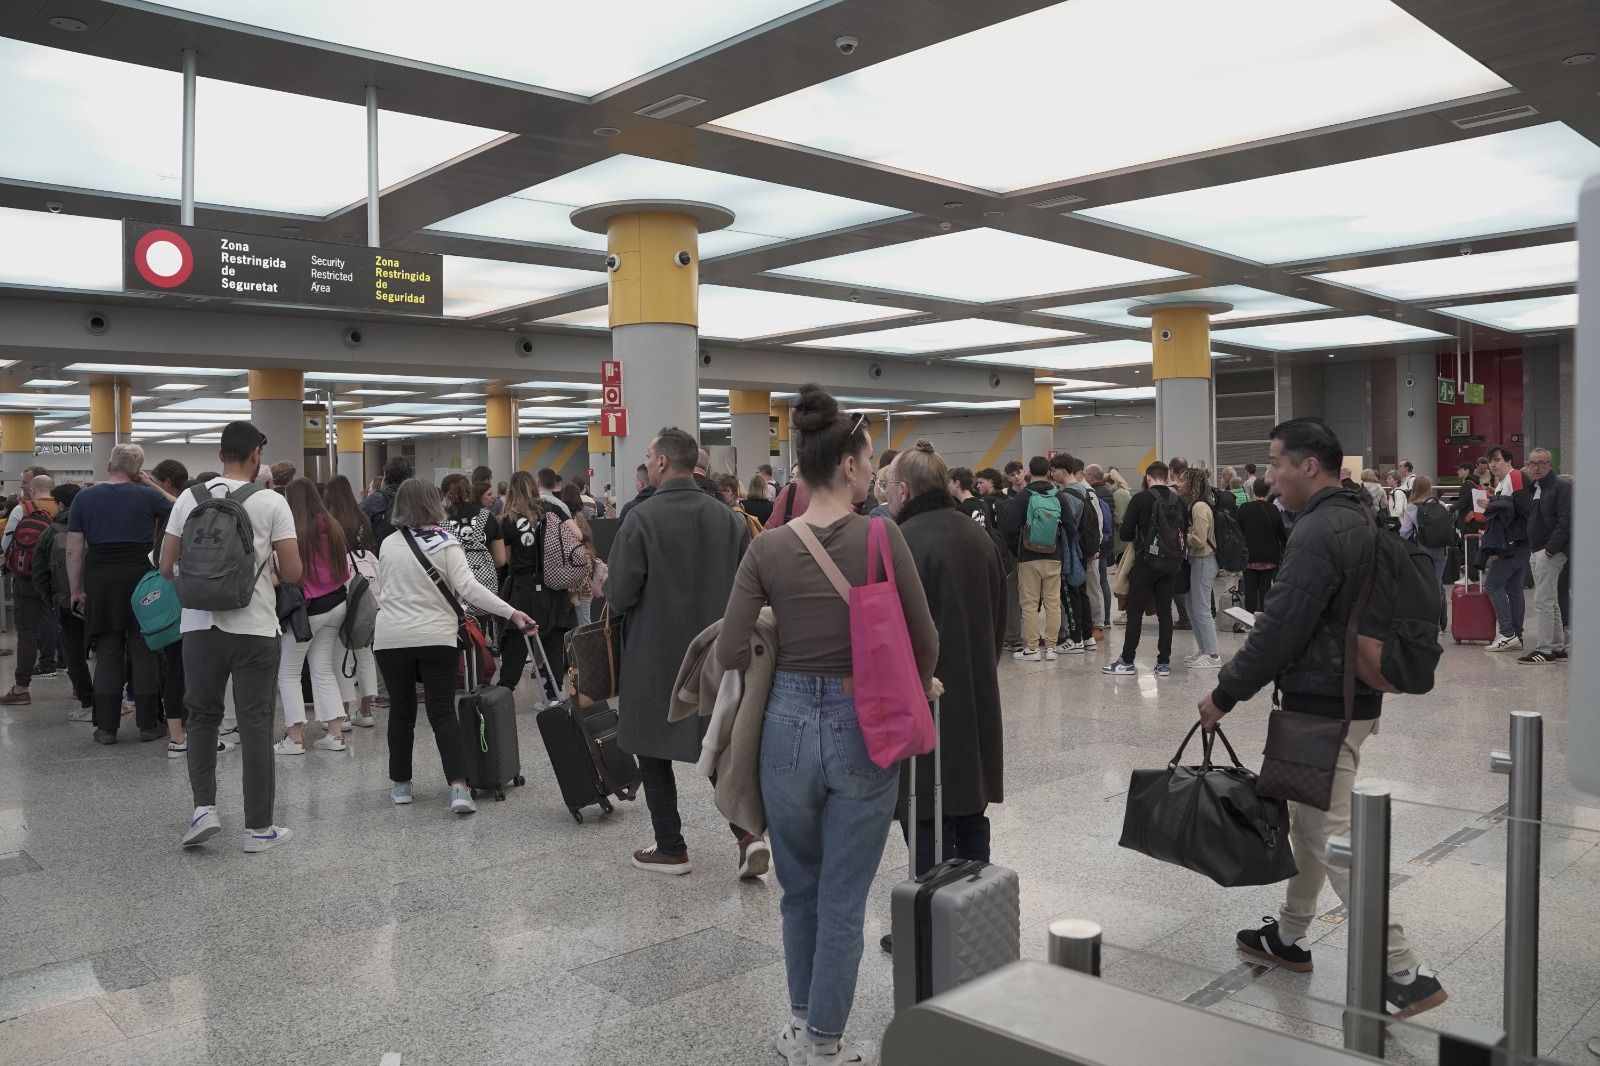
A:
(415, 638)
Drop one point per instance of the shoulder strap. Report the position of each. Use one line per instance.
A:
(244, 492)
(788, 503)
(829, 568)
(434, 576)
(201, 493)
(1357, 610)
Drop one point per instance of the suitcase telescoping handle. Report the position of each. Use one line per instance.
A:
(537, 659)
(938, 802)
(1467, 557)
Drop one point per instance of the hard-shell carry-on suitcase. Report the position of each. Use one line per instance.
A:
(955, 923)
(488, 717)
(1471, 612)
(582, 745)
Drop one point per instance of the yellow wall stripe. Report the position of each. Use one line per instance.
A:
(567, 453)
(1138, 474)
(535, 454)
(902, 433)
(1001, 443)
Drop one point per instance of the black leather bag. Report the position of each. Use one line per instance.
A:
(1209, 819)
(292, 616)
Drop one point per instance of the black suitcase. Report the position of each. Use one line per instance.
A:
(582, 745)
(488, 718)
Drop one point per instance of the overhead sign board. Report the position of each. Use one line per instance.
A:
(279, 270)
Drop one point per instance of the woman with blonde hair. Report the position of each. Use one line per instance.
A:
(535, 531)
(758, 501)
(1202, 546)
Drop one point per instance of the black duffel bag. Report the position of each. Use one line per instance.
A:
(1209, 819)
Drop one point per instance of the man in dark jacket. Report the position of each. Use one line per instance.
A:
(1505, 547)
(1549, 537)
(671, 570)
(1150, 581)
(1080, 524)
(643, 490)
(1095, 475)
(396, 472)
(50, 582)
(1299, 646)
(995, 492)
(1038, 572)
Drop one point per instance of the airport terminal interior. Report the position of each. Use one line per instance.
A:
(527, 236)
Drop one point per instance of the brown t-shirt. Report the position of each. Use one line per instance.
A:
(813, 619)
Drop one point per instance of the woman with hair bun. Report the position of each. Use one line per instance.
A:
(828, 804)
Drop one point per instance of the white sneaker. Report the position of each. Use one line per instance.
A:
(328, 742)
(841, 1054)
(1090, 645)
(1190, 659)
(1074, 647)
(1027, 655)
(289, 746)
(365, 721)
(461, 800)
(400, 793)
(1506, 644)
(792, 1043)
(202, 827)
(1050, 655)
(177, 749)
(1119, 619)
(257, 840)
(227, 740)
(1207, 662)
(80, 714)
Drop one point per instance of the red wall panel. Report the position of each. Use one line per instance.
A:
(1498, 420)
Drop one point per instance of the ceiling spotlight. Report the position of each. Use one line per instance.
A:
(947, 225)
(72, 25)
(1330, 355)
(953, 204)
(607, 131)
(1577, 60)
(993, 214)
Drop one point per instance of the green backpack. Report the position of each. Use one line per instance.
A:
(157, 610)
(1044, 522)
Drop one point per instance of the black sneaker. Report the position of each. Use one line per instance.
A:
(102, 736)
(1422, 993)
(151, 732)
(1264, 943)
(1537, 658)
(1559, 656)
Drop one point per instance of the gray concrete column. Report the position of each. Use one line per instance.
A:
(284, 424)
(660, 374)
(100, 445)
(752, 443)
(1416, 415)
(1183, 419)
(601, 473)
(372, 455)
(1035, 440)
(353, 466)
(502, 457)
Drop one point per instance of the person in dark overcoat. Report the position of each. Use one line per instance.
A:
(964, 577)
(671, 569)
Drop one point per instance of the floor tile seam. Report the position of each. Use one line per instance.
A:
(72, 1059)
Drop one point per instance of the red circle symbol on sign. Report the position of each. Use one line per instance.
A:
(163, 258)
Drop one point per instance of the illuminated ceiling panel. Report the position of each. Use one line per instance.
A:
(530, 43)
(97, 123)
(740, 314)
(1247, 303)
(59, 251)
(1145, 393)
(1091, 356)
(1521, 316)
(941, 337)
(1516, 180)
(764, 212)
(1325, 333)
(980, 266)
(1119, 67)
(479, 286)
(1460, 275)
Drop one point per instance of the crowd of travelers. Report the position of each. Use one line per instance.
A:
(267, 575)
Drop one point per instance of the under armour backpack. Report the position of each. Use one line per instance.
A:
(24, 539)
(1233, 554)
(1043, 523)
(1435, 529)
(1397, 645)
(157, 610)
(1164, 550)
(217, 568)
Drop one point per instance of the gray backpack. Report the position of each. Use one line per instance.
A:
(360, 623)
(217, 568)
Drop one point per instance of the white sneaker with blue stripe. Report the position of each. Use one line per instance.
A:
(266, 839)
(202, 827)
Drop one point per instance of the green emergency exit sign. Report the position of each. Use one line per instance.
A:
(1447, 391)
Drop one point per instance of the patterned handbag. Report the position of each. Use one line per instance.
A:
(594, 659)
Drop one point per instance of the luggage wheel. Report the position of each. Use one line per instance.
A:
(577, 815)
(499, 794)
(520, 780)
(605, 805)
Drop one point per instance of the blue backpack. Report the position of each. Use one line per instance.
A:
(157, 610)
(1072, 571)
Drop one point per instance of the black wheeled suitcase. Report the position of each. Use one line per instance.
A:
(955, 923)
(488, 718)
(582, 744)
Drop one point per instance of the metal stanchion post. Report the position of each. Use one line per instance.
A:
(1525, 765)
(1075, 944)
(1366, 854)
(1472, 1044)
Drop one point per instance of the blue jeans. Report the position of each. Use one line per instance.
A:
(1202, 576)
(829, 807)
(1504, 583)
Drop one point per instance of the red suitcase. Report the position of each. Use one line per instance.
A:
(1471, 612)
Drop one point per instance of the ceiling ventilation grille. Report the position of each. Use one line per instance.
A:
(1060, 201)
(1491, 118)
(670, 106)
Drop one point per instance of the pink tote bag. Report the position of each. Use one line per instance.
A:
(890, 704)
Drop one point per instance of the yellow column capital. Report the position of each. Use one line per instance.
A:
(1180, 342)
(16, 431)
(649, 285)
(1041, 409)
(500, 416)
(599, 443)
(278, 385)
(351, 434)
(749, 402)
(780, 411)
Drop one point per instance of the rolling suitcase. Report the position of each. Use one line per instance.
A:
(582, 745)
(1471, 613)
(488, 718)
(960, 920)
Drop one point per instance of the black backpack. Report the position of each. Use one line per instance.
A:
(1233, 554)
(1435, 529)
(1397, 647)
(1162, 547)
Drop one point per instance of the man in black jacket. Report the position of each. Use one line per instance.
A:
(994, 490)
(396, 472)
(1505, 546)
(1149, 582)
(1038, 572)
(1549, 536)
(1299, 645)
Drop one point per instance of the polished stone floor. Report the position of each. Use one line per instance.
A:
(516, 936)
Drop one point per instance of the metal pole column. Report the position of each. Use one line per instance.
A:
(1525, 765)
(1075, 944)
(1366, 853)
(372, 166)
(186, 204)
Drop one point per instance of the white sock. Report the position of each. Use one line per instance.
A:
(1404, 977)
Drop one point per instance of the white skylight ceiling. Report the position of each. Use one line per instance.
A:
(478, 286)
(941, 336)
(1325, 333)
(1148, 392)
(1092, 356)
(57, 251)
(1520, 179)
(1121, 65)
(739, 314)
(1459, 275)
(764, 212)
(99, 124)
(1247, 303)
(1520, 316)
(979, 265)
(162, 371)
(532, 43)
